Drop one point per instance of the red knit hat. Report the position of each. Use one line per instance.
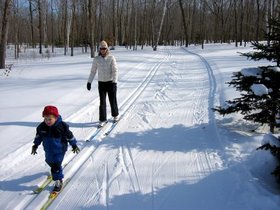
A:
(50, 110)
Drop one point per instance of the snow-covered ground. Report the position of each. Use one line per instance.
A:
(168, 151)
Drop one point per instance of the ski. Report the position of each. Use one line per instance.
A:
(53, 195)
(114, 123)
(43, 185)
(46, 182)
(96, 132)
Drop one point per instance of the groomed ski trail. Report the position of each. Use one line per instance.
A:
(134, 165)
(75, 163)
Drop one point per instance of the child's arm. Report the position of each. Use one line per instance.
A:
(69, 135)
(71, 138)
(37, 141)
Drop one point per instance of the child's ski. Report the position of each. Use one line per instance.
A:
(53, 195)
(43, 185)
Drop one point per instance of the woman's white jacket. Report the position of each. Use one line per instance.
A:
(106, 67)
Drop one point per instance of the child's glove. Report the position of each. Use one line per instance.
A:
(75, 149)
(34, 149)
(88, 86)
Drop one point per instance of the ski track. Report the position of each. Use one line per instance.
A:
(85, 114)
(129, 99)
(21, 155)
(126, 164)
(203, 163)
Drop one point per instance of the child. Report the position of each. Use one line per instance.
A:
(55, 134)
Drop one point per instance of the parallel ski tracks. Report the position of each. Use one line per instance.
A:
(6, 164)
(77, 162)
(204, 159)
(212, 85)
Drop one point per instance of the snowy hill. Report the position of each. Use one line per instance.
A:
(168, 151)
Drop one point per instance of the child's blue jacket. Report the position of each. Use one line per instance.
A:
(55, 139)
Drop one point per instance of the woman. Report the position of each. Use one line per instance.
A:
(106, 66)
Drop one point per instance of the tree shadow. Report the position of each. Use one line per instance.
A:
(176, 138)
(35, 124)
(224, 189)
(82, 125)
(20, 123)
(19, 184)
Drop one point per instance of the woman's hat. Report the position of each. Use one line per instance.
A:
(103, 44)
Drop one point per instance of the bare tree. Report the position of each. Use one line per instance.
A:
(52, 25)
(4, 32)
(134, 22)
(91, 12)
(16, 28)
(31, 22)
(73, 26)
(202, 23)
(40, 27)
(184, 23)
(65, 26)
(161, 24)
(241, 9)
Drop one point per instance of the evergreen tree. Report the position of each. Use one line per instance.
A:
(259, 87)
(271, 50)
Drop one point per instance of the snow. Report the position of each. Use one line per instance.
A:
(271, 139)
(251, 72)
(259, 89)
(168, 151)
(275, 68)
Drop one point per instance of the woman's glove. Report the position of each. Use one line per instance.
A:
(88, 86)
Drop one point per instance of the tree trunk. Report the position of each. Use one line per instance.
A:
(235, 24)
(257, 22)
(114, 24)
(52, 26)
(73, 27)
(241, 23)
(40, 26)
(65, 26)
(31, 23)
(4, 32)
(161, 24)
(202, 22)
(134, 9)
(184, 23)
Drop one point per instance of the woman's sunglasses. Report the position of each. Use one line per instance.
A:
(103, 48)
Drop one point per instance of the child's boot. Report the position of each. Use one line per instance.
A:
(58, 185)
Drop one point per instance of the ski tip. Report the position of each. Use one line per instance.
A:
(36, 191)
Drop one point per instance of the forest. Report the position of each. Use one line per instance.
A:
(46, 24)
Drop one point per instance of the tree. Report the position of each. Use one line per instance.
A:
(31, 22)
(135, 22)
(4, 32)
(91, 12)
(161, 24)
(73, 27)
(270, 50)
(40, 27)
(261, 100)
(184, 23)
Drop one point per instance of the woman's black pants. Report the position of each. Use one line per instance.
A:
(109, 88)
